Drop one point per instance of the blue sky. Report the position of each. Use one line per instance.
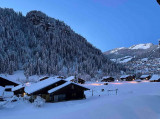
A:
(107, 24)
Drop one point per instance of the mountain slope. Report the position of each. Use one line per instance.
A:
(134, 51)
(39, 44)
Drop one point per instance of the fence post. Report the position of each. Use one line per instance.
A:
(116, 91)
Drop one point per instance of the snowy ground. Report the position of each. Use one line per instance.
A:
(133, 101)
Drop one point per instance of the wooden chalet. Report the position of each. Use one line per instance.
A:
(145, 77)
(4, 82)
(67, 91)
(55, 89)
(127, 78)
(155, 78)
(107, 79)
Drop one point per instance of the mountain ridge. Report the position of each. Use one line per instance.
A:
(144, 58)
(39, 44)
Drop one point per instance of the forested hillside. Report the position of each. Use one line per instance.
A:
(40, 45)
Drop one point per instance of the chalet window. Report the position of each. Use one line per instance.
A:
(59, 97)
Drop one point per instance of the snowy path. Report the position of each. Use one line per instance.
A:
(134, 101)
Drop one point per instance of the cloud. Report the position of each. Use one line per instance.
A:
(111, 3)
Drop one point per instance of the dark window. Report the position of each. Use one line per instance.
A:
(59, 97)
(8, 89)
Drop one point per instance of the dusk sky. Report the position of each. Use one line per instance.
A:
(107, 24)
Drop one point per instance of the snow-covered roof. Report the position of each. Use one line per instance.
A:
(105, 77)
(17, 87)
(1, 91)
(155, 77)
(124, 76)
(59, 87)
(9, 79)
(70, 78)
(144, 76)
(41, 84)
(9, 86)
(63, 85)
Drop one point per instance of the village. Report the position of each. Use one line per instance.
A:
(59, 88)
(145, 65)
(73, 95)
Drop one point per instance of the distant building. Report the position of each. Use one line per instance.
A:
(127, 78)
(81, 81)
(70, 78)
(61, 77)
(145, 77)
(155, 78)
(73, 79)
(107, 79)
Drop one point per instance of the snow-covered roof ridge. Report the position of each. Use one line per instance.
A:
(124, 76)
(41, 84)
(59, 87)
(63, 85)
(141, 46)
(106, 77)
(70, 78)
(18, 87)
(8, 86)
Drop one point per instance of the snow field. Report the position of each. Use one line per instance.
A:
(133, 101)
